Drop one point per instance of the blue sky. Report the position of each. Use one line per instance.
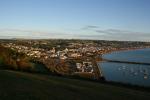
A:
(84, 19)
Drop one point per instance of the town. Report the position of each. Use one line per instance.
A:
(76, 56)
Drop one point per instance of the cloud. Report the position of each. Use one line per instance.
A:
(117, 34)
(88, 27)
(121, 32)
(93, 32)
(114, 34)
(16, 31)
(20, 33)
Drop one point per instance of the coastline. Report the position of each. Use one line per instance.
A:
(125, 49)
(136, 73)
(119, 50)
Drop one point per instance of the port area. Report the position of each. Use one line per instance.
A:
(88, 67)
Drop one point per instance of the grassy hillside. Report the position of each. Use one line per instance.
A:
(11, 59)
(25, 86)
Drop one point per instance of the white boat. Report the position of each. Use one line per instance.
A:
(124, 67)
(145, 74)
(145, 77)
(135, 73)
(119, 68)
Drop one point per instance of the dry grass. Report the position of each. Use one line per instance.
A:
(25, 86)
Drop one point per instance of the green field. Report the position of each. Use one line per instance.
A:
(25, 86)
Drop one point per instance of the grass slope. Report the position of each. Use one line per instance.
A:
(25, 86)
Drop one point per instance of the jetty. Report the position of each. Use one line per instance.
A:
(97, 70)
(129, 62)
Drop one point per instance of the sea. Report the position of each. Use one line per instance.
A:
(128, 73)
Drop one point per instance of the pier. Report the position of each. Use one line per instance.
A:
(129, 62)
(97, 70)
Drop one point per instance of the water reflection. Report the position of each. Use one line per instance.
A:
(126, 73)
(126, 70)
(141, 55)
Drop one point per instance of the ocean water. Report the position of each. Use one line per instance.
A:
(135, 74)
(141, 55)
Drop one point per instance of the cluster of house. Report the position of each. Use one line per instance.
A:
(45, 54)
(29, 51)
(85, 67)
(76, 50)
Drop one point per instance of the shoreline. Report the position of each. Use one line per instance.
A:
(128, 49)
(124, 62)
(119, 50)
(118, 61)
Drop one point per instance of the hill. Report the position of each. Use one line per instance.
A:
(16, 85)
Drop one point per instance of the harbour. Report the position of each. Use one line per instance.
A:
(126, 67)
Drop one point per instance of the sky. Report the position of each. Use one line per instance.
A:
(76, 19)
